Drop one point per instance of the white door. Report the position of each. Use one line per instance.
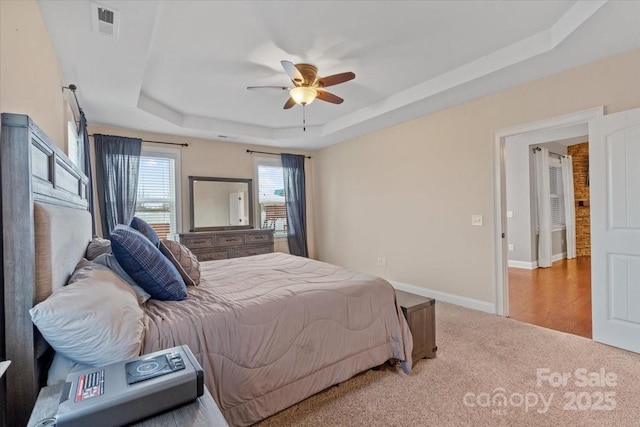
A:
(614, 176)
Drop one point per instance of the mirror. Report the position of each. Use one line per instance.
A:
(220, 203)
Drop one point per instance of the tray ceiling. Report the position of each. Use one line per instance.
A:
(182, 67)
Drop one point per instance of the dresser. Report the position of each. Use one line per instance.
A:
(212, 245)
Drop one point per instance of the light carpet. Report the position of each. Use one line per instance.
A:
(489, 371)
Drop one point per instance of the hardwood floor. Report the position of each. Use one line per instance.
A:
(556, 298)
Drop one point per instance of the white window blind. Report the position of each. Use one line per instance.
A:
(156, 202)
(271, 200)
(75, 151)
(556, 194)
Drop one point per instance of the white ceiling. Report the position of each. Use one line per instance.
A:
(182, 67)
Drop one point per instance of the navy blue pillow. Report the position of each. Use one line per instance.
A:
(144, 262)
(143, 227)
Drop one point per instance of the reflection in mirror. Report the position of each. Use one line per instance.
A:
(220, 203)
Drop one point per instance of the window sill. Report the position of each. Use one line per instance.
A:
(277, 235)
(553, 229)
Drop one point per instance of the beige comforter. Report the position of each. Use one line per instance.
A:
(271, 330)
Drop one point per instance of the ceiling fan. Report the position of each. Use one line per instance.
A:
(307, 86)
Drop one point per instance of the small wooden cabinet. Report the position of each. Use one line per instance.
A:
(213, 245)
(421, 316)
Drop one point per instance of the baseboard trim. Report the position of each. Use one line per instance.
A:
(529, 265)
(534, 264)
(474, 304)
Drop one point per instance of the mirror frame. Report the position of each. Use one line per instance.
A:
(192, 226)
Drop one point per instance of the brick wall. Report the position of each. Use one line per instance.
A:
(580, 155)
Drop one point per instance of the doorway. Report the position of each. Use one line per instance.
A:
(571, 125)
(557, 297)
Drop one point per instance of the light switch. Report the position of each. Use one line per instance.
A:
(476, 219)
(509, 214)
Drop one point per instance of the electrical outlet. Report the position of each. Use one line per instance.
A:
(476, 219)
(382, 262)
(510, 246)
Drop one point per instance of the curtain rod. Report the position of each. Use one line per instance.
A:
(273, 154)
(73, 89)
(182, 144)
(550, 152)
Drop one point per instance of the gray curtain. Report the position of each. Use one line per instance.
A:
(295, 199)
(84, 135)
(117, 166)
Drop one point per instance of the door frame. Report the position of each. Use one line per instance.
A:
(501, 291)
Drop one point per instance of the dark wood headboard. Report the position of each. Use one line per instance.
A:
(32, 169)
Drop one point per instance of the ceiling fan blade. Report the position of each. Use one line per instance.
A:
(329, 97)
(268, 87)
(293, 72)
(336, 79)
(290, 103)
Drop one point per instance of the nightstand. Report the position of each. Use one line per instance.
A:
(203, 412)
(421, 316)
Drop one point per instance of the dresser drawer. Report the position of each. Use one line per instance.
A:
(257, 250)
(212, 255)
(229, 239)
(193, 242)
(259, 237)
(214, 245)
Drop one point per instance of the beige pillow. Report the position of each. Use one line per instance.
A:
(183, 259)
(98, 246)
(95, 320)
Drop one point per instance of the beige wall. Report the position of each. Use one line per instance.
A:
(407, 193)
(30, 78)
(217, 159)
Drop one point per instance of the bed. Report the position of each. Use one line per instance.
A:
(269, 330)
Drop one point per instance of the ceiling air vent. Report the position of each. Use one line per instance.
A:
(105, 20)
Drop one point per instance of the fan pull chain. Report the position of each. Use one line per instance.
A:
(304, 119)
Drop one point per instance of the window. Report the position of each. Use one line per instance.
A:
(271, 205)
(556, 194)
(75, 150)
(158, 190)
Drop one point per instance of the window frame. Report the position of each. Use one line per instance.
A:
(174, 153)
(257, 162)
(73, 148)
(555, 163)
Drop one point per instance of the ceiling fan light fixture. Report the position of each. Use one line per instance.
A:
(303, 95)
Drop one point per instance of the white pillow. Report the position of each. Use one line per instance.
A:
(95, 321)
